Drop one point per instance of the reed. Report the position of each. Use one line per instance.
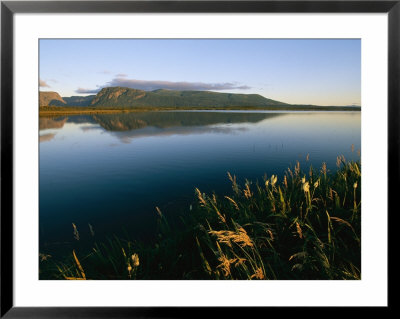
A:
(303, 225)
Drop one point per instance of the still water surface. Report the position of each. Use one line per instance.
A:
(112, 170)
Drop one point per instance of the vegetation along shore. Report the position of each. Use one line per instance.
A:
(59, 111)
(305, 224)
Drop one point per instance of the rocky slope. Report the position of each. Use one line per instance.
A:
(51, 98)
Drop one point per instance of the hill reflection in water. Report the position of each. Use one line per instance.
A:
(143, 124)
(131, 125)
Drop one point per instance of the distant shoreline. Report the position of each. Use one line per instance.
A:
(55, 110)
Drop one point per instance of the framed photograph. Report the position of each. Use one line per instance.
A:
(158, 156)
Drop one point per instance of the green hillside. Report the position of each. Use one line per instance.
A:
(126, 97)
(79, 100)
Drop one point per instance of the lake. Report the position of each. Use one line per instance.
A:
(112, 170)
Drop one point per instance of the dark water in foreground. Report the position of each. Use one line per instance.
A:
(111, 171)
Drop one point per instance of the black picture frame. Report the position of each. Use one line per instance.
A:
(9, 8)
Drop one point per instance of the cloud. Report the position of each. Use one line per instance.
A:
(169, 85)
(87, 91)
(43, 84)
(154, 85)
(121, 75)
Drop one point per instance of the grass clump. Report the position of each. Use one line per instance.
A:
(303, 225)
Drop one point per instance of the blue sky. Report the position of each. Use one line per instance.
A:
(321, 72)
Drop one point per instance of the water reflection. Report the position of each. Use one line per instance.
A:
(46, 137)
(51, 122)
(112, 170)
(126, 126)
(132, 121)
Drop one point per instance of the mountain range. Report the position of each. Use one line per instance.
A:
(112, 97)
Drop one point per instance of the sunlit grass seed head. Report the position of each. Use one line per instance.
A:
(259, 274)
(76, 233)
(290, 172)
(135, 260)
(79, 265)
(297, 168)
(274, 179)
(200, 197)
(243, 239)
(299, 231)
(306, 187)
(239, 261)
(271, 235)
(44, 257)
(299, 255)
(247, 192)
(221, 217)
(285, 181)
(324, 170)
(338, 161)
(225, 265)
(227, 236)
(233, 202)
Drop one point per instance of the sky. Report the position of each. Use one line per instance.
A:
(296, 71)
